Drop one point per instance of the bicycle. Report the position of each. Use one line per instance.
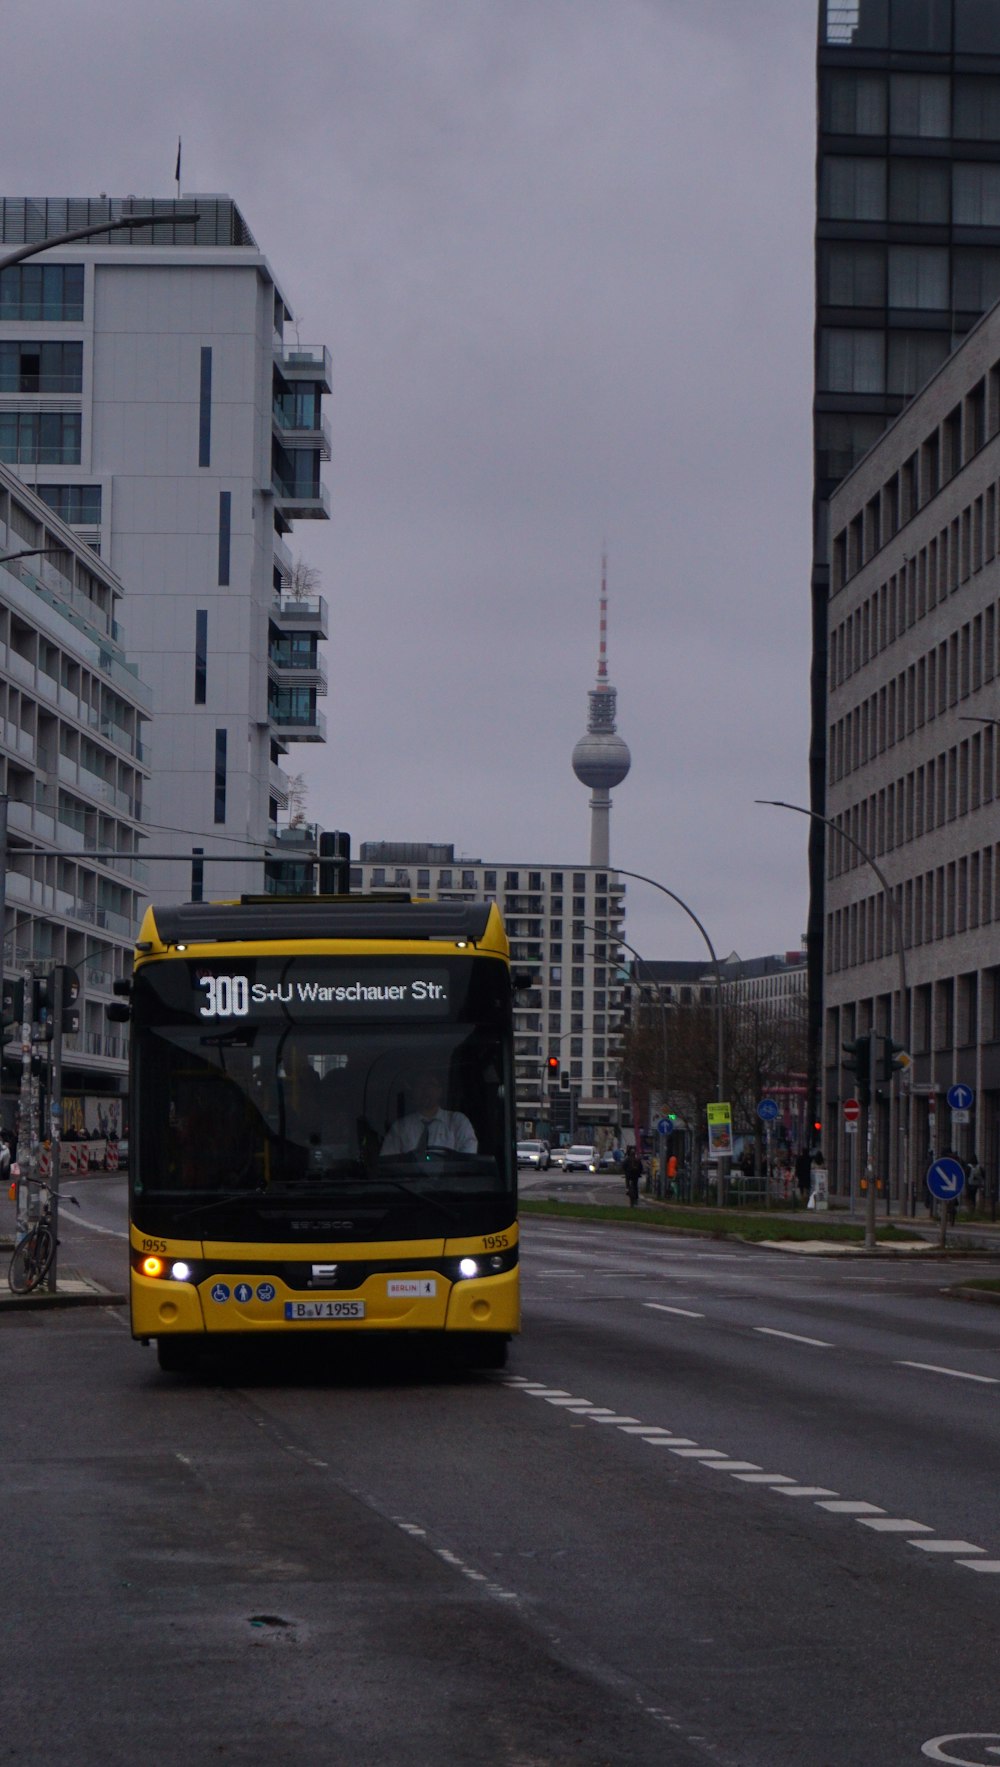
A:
(35, 1250)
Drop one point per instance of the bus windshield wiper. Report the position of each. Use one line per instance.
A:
(421, 1196)
(218, 1202)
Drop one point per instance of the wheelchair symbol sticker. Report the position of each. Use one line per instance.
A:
(220, 1291)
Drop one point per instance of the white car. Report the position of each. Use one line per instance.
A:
(534, 1153)
(578, 1158)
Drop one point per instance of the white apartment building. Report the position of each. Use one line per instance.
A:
(73, 767)
(564, 924)
(150, 393)
(913, 774)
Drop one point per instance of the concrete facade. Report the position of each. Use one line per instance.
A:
(912, 766)
(153, 398)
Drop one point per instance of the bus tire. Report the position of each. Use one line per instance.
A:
(486, 1351)
(177, 1355)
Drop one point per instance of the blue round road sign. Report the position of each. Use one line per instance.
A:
(945, 1179)
(767, 1110)
(960, 1097)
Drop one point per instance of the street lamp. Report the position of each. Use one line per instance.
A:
(55, 239)
(904, 1001)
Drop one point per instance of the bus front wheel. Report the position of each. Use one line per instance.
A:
(177, 1355)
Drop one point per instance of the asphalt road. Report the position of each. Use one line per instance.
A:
(726, 1506)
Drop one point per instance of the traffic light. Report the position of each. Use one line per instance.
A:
(893, 1058)
(42, 1003)
(817, 1130)
(552, 1065)
(13, 1003)
(858, 1062)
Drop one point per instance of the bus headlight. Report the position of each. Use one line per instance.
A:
(468, 1267)
(181, 1272)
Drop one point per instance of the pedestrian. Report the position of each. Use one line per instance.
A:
(672, 1175)
(5, 1160)
(803, 1173)
(632, 1168)
(974, 1179)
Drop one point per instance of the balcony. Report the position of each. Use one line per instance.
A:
(297, 427)
(291, 723)
(306, 362)
(295, 613)
(286, 670)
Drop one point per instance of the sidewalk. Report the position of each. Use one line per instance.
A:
(73, 1289)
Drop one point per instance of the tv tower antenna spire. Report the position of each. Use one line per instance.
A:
(601, 759)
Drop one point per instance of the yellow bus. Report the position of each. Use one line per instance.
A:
(322, 1125)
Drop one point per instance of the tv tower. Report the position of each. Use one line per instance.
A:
(601, 759)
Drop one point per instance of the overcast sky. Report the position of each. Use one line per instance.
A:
(561, 253)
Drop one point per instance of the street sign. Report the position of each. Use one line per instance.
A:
(945, 1179)
(958, 1118)
(852, 1111)
(664, 1126)
(850, 1125)
(767, 1110)
(961, 1097)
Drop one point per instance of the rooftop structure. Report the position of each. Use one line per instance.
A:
(601, 758)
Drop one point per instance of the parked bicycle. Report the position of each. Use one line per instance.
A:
(36, 1248)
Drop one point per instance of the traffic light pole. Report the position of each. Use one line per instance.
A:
(55, 1114)
(870, 1146)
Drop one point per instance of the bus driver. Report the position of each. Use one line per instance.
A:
(429, 1126)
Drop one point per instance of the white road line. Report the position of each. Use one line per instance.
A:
(91, 1226)
(612, 1419)
(695, 1453)
(891, 1524)
(683, 1312)
(734, 1466)
(670, 1442)
(986, 1380)
(846, 1506)
(990, 1565)
(804, 1491)
(759, 1478)
(564, 1399)
(956, 1546)
(769, 1331)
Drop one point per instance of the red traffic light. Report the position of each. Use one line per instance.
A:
(553, 1064)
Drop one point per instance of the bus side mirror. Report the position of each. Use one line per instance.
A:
(522, 979)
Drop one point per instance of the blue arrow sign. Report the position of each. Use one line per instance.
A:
(665, 1126)
(960, 1097)
(945, 1180)
(767, 1110)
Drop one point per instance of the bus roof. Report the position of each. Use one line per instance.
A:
(321, 917)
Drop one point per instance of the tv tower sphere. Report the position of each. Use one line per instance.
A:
(601, 758)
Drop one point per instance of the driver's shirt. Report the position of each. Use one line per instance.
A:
(448, 1129)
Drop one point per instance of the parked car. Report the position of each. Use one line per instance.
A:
(578, 1158)
(534, 1153)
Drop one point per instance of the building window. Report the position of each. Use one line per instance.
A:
(918, 276)
(79, 505)
(977, 195)
(41, 367)
(205, 410)
(220, 775)
(854, 104)
(977, 27)
(851, 361)
(37, 291)
(913, 357)
(919, 104)
(919, 190)
(852, 275)
(852, 189)
(197, 875)
(225, 524)
(489, 880)
(423, 879)
(444, 880)
(200, 656)
(977, 107)
(45, 438)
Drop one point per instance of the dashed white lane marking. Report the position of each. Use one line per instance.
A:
(892, 1524)
(683, 1312)
(92, 1227)
(746, 1472)
(842, 1506)
(792, 1337)
(444, 1553)
(944, 1546)
(986, 1380)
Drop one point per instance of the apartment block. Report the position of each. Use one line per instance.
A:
(564, 924)
(74, 766)
(153, 397)
(912, 895)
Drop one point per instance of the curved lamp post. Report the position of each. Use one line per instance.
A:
(904, 996)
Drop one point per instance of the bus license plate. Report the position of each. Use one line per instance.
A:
(324, 1309)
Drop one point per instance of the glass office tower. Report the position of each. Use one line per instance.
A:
(907, 258)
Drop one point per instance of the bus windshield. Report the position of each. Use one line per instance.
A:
(279, 1083)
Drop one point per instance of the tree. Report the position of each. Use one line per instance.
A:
(303, 581)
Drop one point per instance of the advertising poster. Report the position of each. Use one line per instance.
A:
(720, 1131)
